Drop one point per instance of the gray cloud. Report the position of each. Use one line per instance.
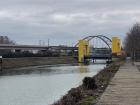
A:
(66, 21)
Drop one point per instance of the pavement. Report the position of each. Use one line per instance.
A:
(124, 88)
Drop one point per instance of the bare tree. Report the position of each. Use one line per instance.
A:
(6, 40)
(132, 41)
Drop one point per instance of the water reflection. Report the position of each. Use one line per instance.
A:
(82, 68)
(43, 84)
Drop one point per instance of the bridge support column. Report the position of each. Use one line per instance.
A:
(116, 46)
(83, 50)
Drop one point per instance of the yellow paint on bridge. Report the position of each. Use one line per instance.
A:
(84, 49)
(116, 46)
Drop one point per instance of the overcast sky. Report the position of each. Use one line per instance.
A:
(66, 21)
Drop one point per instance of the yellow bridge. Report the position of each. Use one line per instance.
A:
(113, 44)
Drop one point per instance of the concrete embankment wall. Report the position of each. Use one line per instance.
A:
(35, 61)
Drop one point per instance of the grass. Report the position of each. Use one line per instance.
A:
(89, 100)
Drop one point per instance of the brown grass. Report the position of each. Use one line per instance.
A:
(91, 89)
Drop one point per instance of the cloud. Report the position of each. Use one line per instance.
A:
(66, 21)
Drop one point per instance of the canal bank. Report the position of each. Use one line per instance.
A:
(91, 89)
(9, 63)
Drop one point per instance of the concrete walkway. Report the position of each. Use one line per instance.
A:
(124, 89)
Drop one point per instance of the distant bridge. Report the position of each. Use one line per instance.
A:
(84, 52)
(35, 47)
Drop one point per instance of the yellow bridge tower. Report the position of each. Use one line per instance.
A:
(83, 50)
(116, 46)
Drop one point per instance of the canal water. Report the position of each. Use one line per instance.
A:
(45, 85)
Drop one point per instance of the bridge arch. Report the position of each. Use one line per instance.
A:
(84, 48)
(105, 39)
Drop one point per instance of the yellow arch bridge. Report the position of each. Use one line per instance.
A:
(113, 44)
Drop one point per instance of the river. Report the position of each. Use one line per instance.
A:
(45, 85)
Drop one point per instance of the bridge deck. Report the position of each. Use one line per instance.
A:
(35, 47)
(99, 57)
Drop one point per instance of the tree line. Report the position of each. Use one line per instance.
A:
(6, 40)
(132, 42)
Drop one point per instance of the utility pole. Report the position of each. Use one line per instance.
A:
(48, 42)
(39, 42)
(43, 43)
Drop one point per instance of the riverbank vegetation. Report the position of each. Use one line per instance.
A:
(91, 89)
(132, 42)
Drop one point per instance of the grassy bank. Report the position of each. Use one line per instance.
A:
(91, 89)
(9, 63)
